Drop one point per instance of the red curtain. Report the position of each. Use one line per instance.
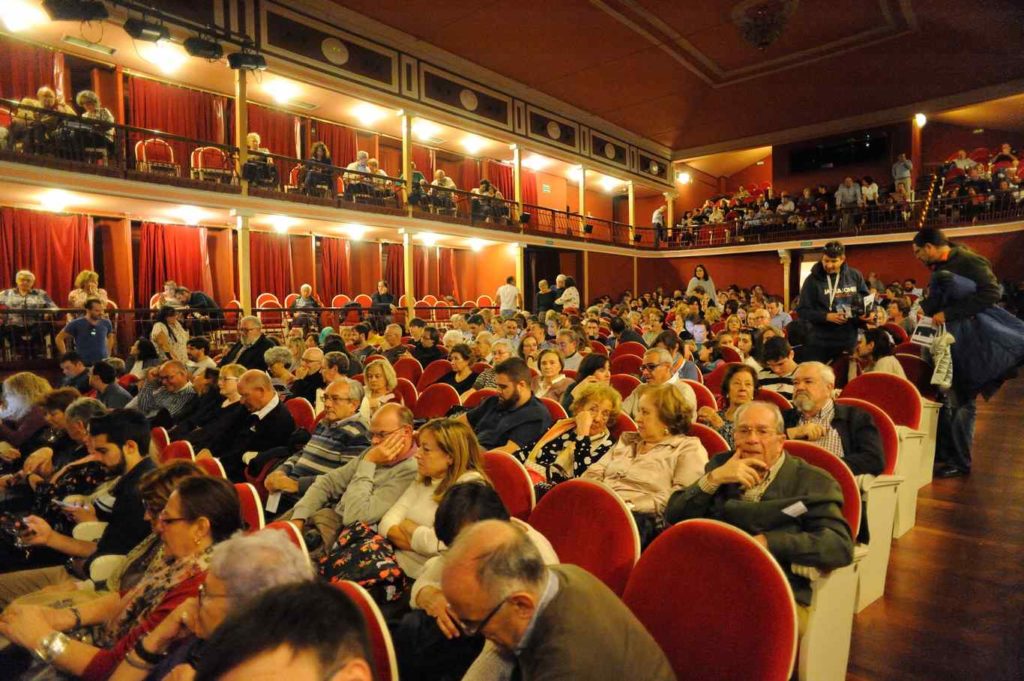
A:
(54, 247)
(340, 140)
(335, 258)
(278, 130)
(175, 252)
(424, 160)
(529, 180)
(26, 68)
(270, 257)
(500, 176)
(177, 111)
(469, 174)
(421, 271)
(394, 273)
(390, 159)
(447, 279)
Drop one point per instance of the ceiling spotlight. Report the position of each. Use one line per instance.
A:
(428, 238)
(247, 60)
(476, 245)
(355, 232)
(576, 174)
(684, 178)
(280, 223)
(920, 119)
(190, 215)
(140, 29)
(473, 144)
(425, 130)
(610, 183)
(56, 200)
(283, 91)
(76, 10)
(21, 15)
(197, 46)
(368, 114)
(535, 162)
(165, 55)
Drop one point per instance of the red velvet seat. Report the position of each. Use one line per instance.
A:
(384, 659)
(212, 467)
(432, 372)
(627, 364)
(290, 531)
(264, 298)
(717, 603)
(252, 506)
(364, 301)
(406, 392)
(588, 525)
(478, 396)
(599, 347)
(709, 437)
(435, 401)
(554, 408)
(896, 396)
(910, 349)
(629, 348)
(484, 301)
(886, 430)
(155, 155)
(778, 399)
(898, 333)
(409, 369)
(919, 372)
(713, 381)
(837, 468)
(302, 412)
(705, 398)
(511, 482)
(730, 355)
(179, 450)
(480, 367)
(624, 384)
(160, 440)
(623, 424)
(211, 163)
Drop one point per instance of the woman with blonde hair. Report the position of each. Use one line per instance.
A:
(572, 445)
(644, 468)
(215, 433)
(22, 418)
(87, 285)
(380, 379)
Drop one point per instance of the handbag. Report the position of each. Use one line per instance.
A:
(362, 556)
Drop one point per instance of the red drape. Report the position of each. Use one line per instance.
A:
(421, 271)
(54, 247)
(177, 111)
(469, 174)
(175, 252)
(270, 257)
(26, 68)
(424, 160)
(500, 176)
(394, 273)
(340, 140)
(390, 159)
(278, 130)
(448, 282)
(529, 180)
(335, 255)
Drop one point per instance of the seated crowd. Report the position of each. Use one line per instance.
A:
(404, 505)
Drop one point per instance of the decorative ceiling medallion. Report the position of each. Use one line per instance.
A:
(554, 130)
(609, 151)
(761, 22)
(468, 99)
(334, 51)
(654, 168)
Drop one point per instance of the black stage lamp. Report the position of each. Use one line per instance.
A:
(76, 10)
(200, 47)
(638, 237)
(140, 29)
(247, 60)
(588, 228)
(524, 218)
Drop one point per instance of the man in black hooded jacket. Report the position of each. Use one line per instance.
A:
(832, 302)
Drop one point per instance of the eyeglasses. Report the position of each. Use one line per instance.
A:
(381, 434)
(204, 594)
(471, 628)
(337, 398)
(763, 431)
(164, 520)
(649, 367)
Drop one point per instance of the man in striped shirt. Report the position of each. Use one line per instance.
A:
(778, 376)
(166, 395)
(340, 436)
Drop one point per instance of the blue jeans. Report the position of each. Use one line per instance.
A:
(956, 431)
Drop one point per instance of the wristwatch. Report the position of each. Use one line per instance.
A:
(52, 646)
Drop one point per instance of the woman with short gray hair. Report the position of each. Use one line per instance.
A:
(241, 569)
(278, 360)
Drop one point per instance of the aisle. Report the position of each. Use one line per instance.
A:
(954, 602)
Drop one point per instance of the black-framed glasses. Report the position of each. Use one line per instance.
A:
(381, 434)
(649, 367)
(164, 520)
(470, 628)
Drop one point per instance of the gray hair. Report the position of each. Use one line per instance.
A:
(278, 354)
(503, 342)
(252, 319)
(117, 363)
(87, 96)
(249, 564)
(355, 388)
(663, 356)
(24, 273)
(84, 409)
(780, 423)
(825, 372)
(455, 337)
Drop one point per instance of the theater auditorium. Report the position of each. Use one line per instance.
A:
(577, 339)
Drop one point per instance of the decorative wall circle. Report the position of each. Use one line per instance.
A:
(554, 130)
(609, 150)
(334, 51)
(468, 99)
(654, 168)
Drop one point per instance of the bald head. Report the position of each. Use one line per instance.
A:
(256, 390)
(174, 375)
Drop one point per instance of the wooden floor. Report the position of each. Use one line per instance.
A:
(954, 601)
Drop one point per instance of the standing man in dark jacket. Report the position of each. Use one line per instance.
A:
(956, 420)
(832, 301)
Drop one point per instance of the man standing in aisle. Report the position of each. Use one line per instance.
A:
(956, 420)
(832, 301)
(509, 298)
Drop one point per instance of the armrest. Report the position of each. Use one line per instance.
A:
(880, 482)
(89, 531)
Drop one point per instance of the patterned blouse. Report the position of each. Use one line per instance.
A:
(586, 451)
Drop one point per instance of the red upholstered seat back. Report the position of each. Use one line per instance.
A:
(484, 301)
(432, 372)
(625, 384)
(709, 437)
(910, 349)
(302, 412)
(290, 531)
(340, 300)
(212, 467)
(730, 355)
(210, 158)
(155, 150)
(599, 347)
(705, 398)
(252, 507)
(511, 482)
(898, 333)
(837, 468)
(179, 450)
(409, 369)
(384, 658)
(896, 396)
(478, 396)
(363, 300)
(765, 395)
(293, 176)
(435, 401)
(623, 424)
(716, 600)
(406, 392)
(160, 439)
(919, 372)
(713, 381)
(629, 348)
(627, 364)
(589, 526)
(886, 429)
(554, 408)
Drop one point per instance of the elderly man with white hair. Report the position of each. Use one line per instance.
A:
(166, 395)
(250, 347)
(847, 432)
(25, 296)
(656, 370)
(241, 569)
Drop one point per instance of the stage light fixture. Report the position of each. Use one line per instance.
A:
(76, 10)
(247, 60)
(588, 228)
(637, 238)
(524, 218)
(197, 46)
(151, 32)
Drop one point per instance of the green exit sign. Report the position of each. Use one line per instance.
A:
(545, 188)
(806, 244)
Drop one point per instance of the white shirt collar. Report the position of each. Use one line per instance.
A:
(262, 413)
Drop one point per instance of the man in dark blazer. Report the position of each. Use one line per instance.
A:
(623, 333)
(541, 619)
(251, 345)
(847, 432)
(793, 509)
(270, 424)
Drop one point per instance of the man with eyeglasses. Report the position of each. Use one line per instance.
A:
(793, 509)
(542, 619)
(308, 379)
(657, 370)
(342, 433)
(365, 487)
(166, 394)
(252, 343)
(121, 441)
